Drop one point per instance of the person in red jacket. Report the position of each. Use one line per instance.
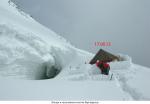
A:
(104, 67)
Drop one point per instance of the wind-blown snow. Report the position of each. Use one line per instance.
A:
(29, 50)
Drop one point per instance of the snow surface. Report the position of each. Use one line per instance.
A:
(38, 64)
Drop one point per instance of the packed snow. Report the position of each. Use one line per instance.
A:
(38, 64)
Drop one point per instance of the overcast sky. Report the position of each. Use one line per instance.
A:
(124, 23)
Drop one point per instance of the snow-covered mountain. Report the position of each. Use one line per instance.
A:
(38, 64)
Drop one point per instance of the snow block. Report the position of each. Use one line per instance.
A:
(125, 63)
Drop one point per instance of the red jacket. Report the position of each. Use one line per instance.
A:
(103, 64)
(106, 65)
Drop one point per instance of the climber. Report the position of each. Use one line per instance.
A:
(103, 66)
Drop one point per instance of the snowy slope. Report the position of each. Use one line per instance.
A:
(28, 43)
(31, 55)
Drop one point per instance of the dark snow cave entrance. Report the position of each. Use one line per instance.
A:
(49, 71)
(52, 66)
